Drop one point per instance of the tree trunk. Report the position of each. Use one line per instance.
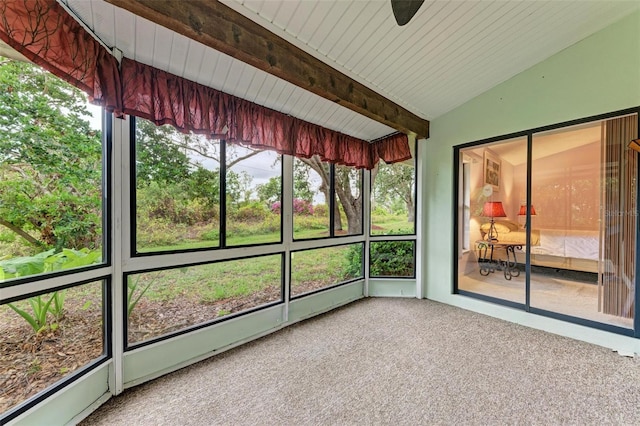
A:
(351, 204)
(408, 200)
(21, 233)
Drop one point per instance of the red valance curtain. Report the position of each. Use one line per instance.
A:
(165, 98)
(47, 35)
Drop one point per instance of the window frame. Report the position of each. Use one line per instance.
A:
(186, 330)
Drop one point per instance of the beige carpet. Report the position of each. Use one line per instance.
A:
(393, 361)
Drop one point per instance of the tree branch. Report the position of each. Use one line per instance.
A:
(21, 233)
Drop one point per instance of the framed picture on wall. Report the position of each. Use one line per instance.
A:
(492, 165)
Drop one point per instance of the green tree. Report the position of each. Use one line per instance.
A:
(394, 183)
(157, 157)
(50, 160)
(269, 192)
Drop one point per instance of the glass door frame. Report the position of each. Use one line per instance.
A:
(458, 231)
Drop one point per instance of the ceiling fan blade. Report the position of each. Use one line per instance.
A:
(403, 10)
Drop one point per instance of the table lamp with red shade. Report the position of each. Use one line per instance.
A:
(523, 212)
(493, 209)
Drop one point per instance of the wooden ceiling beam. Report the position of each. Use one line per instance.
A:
(222, 28)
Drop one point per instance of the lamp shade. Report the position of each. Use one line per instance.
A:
(493, 209)
(523, 210)
(635, 145)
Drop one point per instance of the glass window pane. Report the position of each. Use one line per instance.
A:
(60, 333)
(392, 259)
(393, 199)
(177, 189)
(162, 302)
(325, 267)
(492, 233)
(348, 188)
(50, 174)
(254, 187)
(310, 198)
(583, 192)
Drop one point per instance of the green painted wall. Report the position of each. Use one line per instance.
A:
(597, 75)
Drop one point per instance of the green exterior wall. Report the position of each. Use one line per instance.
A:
(597, 75)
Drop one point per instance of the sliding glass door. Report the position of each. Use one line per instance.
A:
(491, 256)
(569, 249)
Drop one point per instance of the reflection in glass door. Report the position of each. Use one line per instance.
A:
(492, 235)
(583, 189)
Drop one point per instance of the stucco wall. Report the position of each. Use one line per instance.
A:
(597, 75)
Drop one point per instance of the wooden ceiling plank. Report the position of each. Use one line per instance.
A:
(220, 27)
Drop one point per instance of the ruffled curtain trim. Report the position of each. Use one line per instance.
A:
(165, 98)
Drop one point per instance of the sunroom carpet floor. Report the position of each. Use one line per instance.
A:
(393, 361)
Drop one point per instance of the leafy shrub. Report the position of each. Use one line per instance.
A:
(303, 223)
(159, 232)
(241, 229)
(300, 207)
(47, 261)
(7, 237)
(353, 262)
(173, 204)
(391, 259)
(251, 212)
(387, 259)
(210, 235)
(320, 210)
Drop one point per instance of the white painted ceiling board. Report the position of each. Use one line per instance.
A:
(194, 61)
(321, 11)
(301, 16)
(286, 11)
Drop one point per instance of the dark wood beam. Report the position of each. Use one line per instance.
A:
(222, 28)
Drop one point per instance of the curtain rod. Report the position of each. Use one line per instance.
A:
(384, 137)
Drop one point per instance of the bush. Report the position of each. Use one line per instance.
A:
(321, 210)
(269, 225)
(391, 259)
(159, 232)
(300, 207)
(353, 262)
(387, 259)
(171, 203)
(303, 223)
(210, 235)
(7, 237)
(251, 212)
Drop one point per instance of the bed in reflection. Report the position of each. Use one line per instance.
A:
(575, 250)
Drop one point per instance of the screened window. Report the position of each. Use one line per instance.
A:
(317, 269)
(253, 188)
(48, 337)
(177, 189)
(51, 174)
(393, 199)
(170, 300)
(327, 199)
(392, 259)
